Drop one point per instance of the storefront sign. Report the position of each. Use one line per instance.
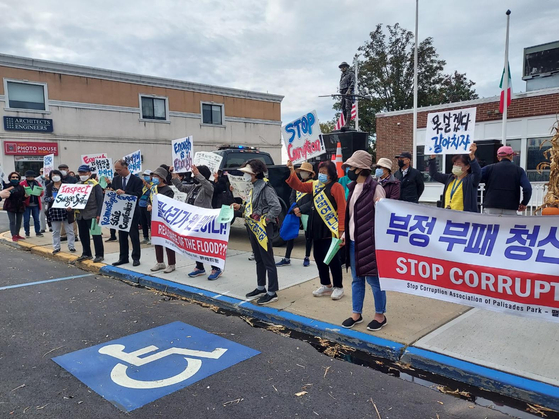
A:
(12, 123)
(29, 148)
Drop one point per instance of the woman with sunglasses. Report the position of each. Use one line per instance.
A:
(14, 204)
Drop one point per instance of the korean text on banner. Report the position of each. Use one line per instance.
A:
(302, 138)
(104, 168)
(48, 164)
(90, 158)
(209, 159)
(241, 187)
(73, 196)
(182, 154)
(450, 132)
(507, 264)
(134, 161)
(118, 211)
(191, 231)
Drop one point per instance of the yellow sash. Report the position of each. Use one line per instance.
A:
(258, 228)
(325, 208)
(299, 195)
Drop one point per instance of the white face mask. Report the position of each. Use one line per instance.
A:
(56, 178)
(64, 172)
(457, 171)
(247, 177)
(84, 178)
(304, 175)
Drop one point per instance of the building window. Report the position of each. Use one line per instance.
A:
(212, 114)
(535, 156)
(154, 108)
(26, 95)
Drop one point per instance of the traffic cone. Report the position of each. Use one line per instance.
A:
(339, 160)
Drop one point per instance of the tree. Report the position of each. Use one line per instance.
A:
(386, 75)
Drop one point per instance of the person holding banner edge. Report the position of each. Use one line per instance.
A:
(85, 217)
(58, 217)
(260, 211)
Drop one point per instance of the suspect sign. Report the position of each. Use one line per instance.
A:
(450, 132)
(191, 231)
(73, 196)
(118, 211)
(134, 161)
(182, 154)
(302, 138)
(505, 264)
(48, 164)
(211, 160)
(104, 168)
(241, 187)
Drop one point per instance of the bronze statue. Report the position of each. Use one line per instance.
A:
(347, 87)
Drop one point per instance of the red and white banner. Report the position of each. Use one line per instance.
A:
(502, 263)
(191, 231)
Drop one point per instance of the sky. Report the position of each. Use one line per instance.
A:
(286, 47)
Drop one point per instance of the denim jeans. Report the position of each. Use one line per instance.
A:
(358, 287)
(36, 220)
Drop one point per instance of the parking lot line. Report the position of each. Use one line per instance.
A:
(43, 282)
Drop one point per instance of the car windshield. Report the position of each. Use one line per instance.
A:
(234, 159)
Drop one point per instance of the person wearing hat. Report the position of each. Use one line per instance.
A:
(347, 86)
(383, 173)
(261, 212)
(145, 199)
(126, 183)
(84, 217)
(411, 179)
(304, 204)
(326, 221)
(33, 204)
(503, 181)
(159, 181)
(460, 190)
(359, 239)
(66, 178)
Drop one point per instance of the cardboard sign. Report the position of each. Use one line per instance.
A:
(241, 187)
(209, 159)
(302, 138)
(182, 154)
(134, 161)
(118, 211)
(104, 168)
(450, 132)
(73, 196)
(48, 164)
(89, 159)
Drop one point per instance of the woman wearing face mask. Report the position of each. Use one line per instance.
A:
(460, 190)
(58, 216)
(145, 199)
(383, 173)
(329, 222)
(14, 205)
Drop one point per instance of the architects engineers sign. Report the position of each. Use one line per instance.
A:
(12, 123)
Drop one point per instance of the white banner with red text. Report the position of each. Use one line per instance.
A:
(191, 231)
(501, 263)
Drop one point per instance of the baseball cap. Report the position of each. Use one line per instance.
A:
(405, 154)
(505, 151)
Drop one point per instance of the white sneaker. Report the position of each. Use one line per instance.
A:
(337, 293)
(323, 290)
(157, 267)
(169, 269)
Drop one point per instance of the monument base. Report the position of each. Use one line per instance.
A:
(350, 140)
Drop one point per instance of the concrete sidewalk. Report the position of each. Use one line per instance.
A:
(510, 355)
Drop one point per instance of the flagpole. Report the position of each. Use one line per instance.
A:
(356, 65)
(414, 151)
(506, 83)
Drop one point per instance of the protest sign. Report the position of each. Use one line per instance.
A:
(118, 211)
(134, 161)
(302, 138)
(89, 159)
(209, 159)
(48, 164)
(241, 187)
(73, 196)
(103, 167)
(182, 153)
(506, 264)
(191, 231)
(450, 132)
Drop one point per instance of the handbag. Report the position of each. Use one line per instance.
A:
(290, 225)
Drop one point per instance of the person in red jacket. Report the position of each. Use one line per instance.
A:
(32, 203)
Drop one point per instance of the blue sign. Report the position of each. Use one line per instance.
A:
(13, 123)
(138, 369)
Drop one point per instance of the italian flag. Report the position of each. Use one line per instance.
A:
(508, 93)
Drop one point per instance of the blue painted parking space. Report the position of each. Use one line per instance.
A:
(135, 370)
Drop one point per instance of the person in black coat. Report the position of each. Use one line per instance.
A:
(411, 180)
(126, 183)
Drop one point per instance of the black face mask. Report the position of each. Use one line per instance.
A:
(400, 163)
(352, 175)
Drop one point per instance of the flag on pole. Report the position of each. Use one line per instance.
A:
(341, 119)
(508, 93)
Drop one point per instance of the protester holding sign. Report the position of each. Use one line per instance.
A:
(58, 216)
(260, 211)
(33, 194)
(14, 204)
(144, 201)
(326, 221)
(91, 213)
(364, 192)
(460, 187)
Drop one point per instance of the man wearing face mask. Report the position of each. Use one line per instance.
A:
(66, 178)
(411, 179)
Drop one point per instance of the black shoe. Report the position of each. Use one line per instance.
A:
(120, 262)
(374, 325)
(267, 299)
(73, 250)
(55, 251)
(43, 231)
(27, 235)
(40, 235)
(83, 257)
(111, 239)
(136, 263)
(349, 323)
(98, 259)
(256, 293)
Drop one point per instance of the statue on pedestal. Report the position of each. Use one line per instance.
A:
(347, 91)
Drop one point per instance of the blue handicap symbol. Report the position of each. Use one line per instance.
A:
(138, 369)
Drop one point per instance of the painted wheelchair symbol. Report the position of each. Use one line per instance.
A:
(120, 377)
